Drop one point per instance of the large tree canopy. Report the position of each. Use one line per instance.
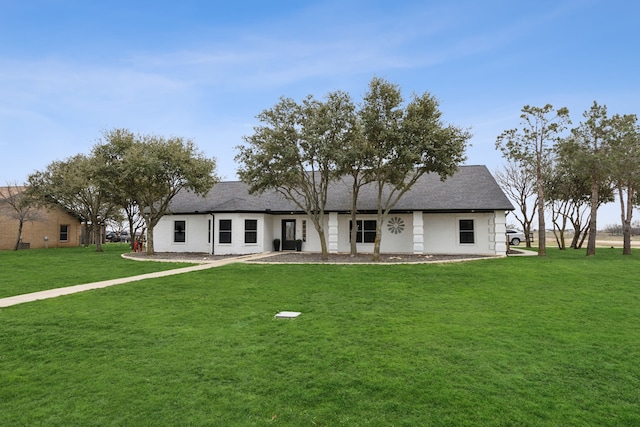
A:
(404, 143)
(73, 184)
(295, 151)
(149, 170)
(300, 148)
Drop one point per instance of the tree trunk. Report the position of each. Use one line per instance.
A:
(17, 245)
(354, 227)
(378, 240)
(626, 237)
(150, 250)
(542, 234)
(527, 234)
(593, 229)
(323, 246)
(98, 237)
(88, 231)
(626, 219)
(148, 219)
(577, 231)
(585, 232)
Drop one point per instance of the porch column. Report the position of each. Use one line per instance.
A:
(499, 225)
(333, 233)
(418, 232)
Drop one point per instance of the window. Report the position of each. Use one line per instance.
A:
(224, 231)
(209, 232)
(366, 231)
(64, 233)
(467, 234)
(179, 234)
(251, 231)
(304, 230)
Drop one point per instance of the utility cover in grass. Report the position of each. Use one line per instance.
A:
(288, 314)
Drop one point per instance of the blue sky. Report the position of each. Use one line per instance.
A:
(204, 69)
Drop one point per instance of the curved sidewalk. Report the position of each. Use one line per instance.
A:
(52, 293)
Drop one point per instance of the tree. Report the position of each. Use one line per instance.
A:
(17, 205)
(592, 137)
(517, 183)
(115, 178)
(72, 184)
(157, 168)
(541, 127)
(624, 142)
(295, 152)
(405, 143)
(568, 190)
(354, 163)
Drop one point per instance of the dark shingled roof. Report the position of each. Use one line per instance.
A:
(470, 188)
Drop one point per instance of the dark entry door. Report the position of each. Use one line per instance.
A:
(288, 234)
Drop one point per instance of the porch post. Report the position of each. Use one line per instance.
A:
(333, 233)
(498, 228)
(418, 233)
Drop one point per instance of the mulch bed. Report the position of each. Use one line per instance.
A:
(305, 257)
(312, 257)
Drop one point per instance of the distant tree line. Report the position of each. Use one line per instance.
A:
(570, 173)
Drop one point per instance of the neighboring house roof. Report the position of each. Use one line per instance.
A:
(6, 192)
(470, 188)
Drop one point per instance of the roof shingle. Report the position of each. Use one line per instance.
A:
(470, 188)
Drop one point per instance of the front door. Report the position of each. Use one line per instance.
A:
(288, 234)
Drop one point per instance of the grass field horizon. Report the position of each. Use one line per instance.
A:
(511, 341)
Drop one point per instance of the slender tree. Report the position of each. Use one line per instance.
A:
(516, 182)
(354, 165)
(624, 141)
(593, 136)
(541, 128)
(16, 204)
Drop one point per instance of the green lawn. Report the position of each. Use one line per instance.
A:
(35, 270)
(503, 342)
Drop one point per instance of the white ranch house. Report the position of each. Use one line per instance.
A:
(465, 214)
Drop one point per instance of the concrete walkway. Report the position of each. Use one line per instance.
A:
(52, 293)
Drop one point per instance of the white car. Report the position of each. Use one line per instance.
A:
(514, 237)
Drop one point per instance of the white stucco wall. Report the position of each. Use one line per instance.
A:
(417, 233)
(199, 239)
(401, 242)
(196, 229)
(441, 234)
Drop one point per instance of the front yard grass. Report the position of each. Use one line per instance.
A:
(516, 341)
(34, 270)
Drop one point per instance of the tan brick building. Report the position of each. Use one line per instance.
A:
(51, 227)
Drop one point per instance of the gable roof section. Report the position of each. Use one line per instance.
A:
(470, 188)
